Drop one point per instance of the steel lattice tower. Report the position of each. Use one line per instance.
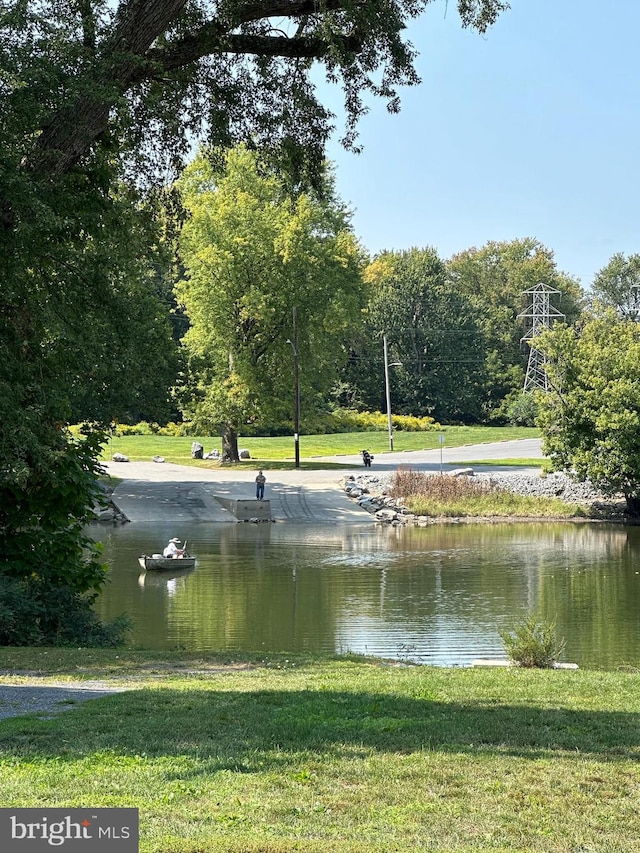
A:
(542, 314)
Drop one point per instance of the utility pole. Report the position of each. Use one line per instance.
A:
(296, 385)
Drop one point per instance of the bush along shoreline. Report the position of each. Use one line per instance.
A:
(418, 498)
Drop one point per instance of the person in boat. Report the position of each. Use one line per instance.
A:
(172, 549)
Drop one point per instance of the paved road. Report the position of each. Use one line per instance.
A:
(152, 491)
(452, 457)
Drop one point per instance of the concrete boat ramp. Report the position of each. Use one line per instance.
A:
(151, 492)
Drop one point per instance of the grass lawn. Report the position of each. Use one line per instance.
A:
(533, 462)
(178, 448)
(339, 756)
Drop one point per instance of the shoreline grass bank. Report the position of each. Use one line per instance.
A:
(281, 753)
(444, 497)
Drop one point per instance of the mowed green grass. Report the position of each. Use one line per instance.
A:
(339, 756)
(178, 448)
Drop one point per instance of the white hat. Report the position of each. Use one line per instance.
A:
(174, 540)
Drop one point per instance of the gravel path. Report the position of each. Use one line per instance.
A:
(552, 485)
(47, 700)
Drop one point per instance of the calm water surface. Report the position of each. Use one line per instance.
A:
(437, 595)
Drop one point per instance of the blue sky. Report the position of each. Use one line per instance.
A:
(529, 131)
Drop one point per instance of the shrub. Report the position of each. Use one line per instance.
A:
(319, 423)
(348, 420)
(33, 613)
(143, 428)
(411, 423)
(19, 615)
(175, 429)
(533, 643)
(408, 483)
(522, 410)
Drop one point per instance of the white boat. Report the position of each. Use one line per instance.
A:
(158, 563)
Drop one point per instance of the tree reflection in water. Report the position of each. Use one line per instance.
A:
(438, 594)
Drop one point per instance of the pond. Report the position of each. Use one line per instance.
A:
(436, 595)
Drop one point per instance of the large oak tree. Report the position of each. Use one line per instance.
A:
(82, 72)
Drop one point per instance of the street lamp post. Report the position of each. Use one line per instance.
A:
(388, 393)
(386, 387)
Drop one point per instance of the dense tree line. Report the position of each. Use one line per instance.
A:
(453, 329)
(253, 250)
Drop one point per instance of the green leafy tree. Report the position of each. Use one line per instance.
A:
(51, 573)
(91, 74)
(494, 278)
(82, 336)
(253, 253)
(590, 419)
(434, 343)
(85, 336)
(123, 359)
(617, 285)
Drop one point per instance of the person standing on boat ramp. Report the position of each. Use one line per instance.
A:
(260, 481)
(172, 549)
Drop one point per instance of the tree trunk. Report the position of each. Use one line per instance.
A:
(633, 504)
(70, 132)
(230, 444)
(134, 52)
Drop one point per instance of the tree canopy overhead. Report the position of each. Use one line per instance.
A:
(131, 74)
